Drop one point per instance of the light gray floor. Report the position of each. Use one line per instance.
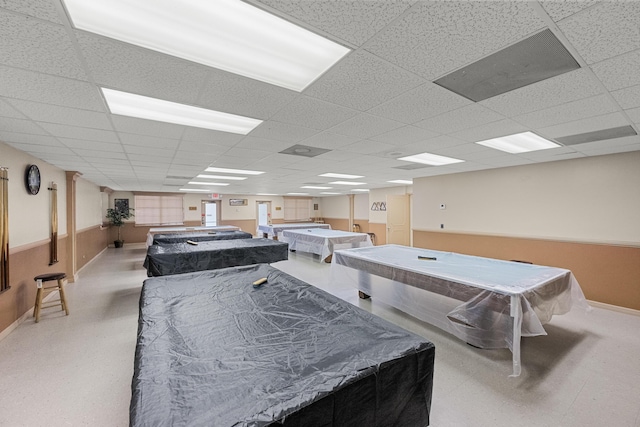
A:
(76, 370)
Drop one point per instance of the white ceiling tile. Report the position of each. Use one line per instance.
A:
(439, 37)
(404, 135)
(26, 138)
(490, 130)
(91, 145)
(247, 153)
(581, 109)
(40, 87)
(548, 93)
(8, 124)
(195, 149)
(329, 140)
(42, 9)
(42, 149)
(38, 46)
(149, 142)
(157, 152)
(468, 151)
(634, 114)
(628, 97)
(62, 115)
(147, 127)
(368, 147)
(82, 152)
(463, 118)
(559, 10)
(263, 144)
(429, 145)
(619, 72)
(211, 136)
(420, 103)
(607, 30)
(354, 21)
(6, 110)
(591, 124)
(313, 113)
(361, 81)
(73, 132)
(129, 68)
(282, 131)
(365, 126)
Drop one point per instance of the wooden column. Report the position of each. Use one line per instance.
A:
(72, 177)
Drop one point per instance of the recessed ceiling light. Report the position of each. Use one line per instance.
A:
(207, 183)
(364, 190)
(143, 107)
(328, 193)
(348, 183)
(238, 171)
(227, 34)
(234, 178)
(266, 194)
(315, 187)
(401, 181)
(430, 159)
(195, 190)
(298, 194)
(519, 143)
(341, 175)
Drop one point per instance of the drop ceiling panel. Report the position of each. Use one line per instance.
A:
(462, 118)
(147, 127)
(456, 33)
(6, 110)
(619, 72)
(559, 90)
(72, 132)
(156, 152)
(586, 125)
(282, 131)
(42, 9)
(329, 140)
(490, 130)
(247, 153)
(604, 31)
(263, 144)
(200, 148)
(211, 136)
(368, 147)
(91, 145)
(581, 109)
(8, 124)
(53, 53)
(62, 115)
(354, 21)
(43, 149)
(150, 143)
(129, 68)
(559, 10)
(40, 87)
(365, 126)
(223, 91)
(26, 138)
(82, 152)
(410, 107)
(313, 113)
(628, 98)
(634, 115)
(428, 145)
(361, 81)
(404, 135)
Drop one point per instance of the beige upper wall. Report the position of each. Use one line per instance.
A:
(335, 207)
(88, 204)
(594, 199)
(361, 206)
(380, 195)
(29, 215)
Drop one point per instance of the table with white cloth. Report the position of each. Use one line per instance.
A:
(486, 302)
(323, 242)
(171, 230)
(273, 231)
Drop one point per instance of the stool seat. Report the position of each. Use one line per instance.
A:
(45, 290)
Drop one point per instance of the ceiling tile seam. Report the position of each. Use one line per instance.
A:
(578, 13)
(408, 11)
(30, 17)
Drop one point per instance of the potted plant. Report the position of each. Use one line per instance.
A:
(116, 217)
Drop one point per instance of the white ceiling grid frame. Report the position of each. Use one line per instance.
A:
(628, 98)
(490, 130)
(63, 115)
(449, 32)
(365, 126)
(313, 113)
(466, 117)
(619, 72)
(41, 9)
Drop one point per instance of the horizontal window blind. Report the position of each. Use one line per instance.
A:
(159, 210)
(297, 209)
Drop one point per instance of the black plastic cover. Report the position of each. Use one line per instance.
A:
(213, 350)
(163, 239)
(179, 258)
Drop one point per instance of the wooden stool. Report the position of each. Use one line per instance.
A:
(46, 290)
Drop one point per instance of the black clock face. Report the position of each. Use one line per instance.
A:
(32, 179)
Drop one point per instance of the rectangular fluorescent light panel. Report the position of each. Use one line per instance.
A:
(329, 193)
(298, 194)
(364, 190)
(266, 194)
(348, 183)
(341, 175)
(313, 187)
(144, 107)
(231, 178)
(519, 143)
(431, 159)
(227, 34)
(195, 190)
(236, 171)
(401, 181)
(207, 183)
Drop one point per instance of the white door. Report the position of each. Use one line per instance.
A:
(398, 220)
(211, 214)
(263, 218)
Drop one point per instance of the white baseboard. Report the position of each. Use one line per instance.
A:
(612, 307)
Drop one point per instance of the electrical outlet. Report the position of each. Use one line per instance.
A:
(441, 225)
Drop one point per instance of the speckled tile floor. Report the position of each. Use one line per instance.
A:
(76, 370)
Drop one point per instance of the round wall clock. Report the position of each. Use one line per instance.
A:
(32, 179)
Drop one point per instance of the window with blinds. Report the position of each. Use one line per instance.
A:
(297, 209)
(159, 210)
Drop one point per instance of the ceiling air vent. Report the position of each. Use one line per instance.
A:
(412, 166)
(531, 60)
(304, 151)
(599, 135)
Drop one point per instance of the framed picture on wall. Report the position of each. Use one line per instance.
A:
(238, 202)
(121, 205)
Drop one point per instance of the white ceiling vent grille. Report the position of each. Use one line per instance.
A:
(599, 135)
(531, 60)
(304, 150)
